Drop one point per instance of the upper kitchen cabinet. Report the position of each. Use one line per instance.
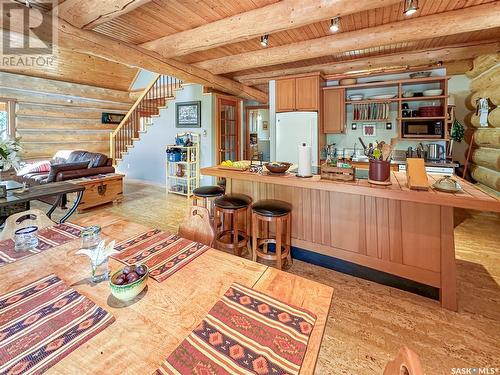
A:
(285, 95)
(299, 93)
(334, 111)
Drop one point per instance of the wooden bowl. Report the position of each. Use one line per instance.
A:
(348, 81)
(281, 167)
(127, 292)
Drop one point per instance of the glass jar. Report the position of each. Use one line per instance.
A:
(25, 239)
(91, 236)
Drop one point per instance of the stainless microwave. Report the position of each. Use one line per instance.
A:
(422, 129)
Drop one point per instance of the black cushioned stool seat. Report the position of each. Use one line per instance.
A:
(233, 202)
(264, 213)
(233, 232)
(209, 191)
(207, 194)
(272, 207)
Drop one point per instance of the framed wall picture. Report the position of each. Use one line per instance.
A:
(369, 130)
(188, 114)
(112, 118)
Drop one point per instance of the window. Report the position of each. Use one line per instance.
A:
(7, 128)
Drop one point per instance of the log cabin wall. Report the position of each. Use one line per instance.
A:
(52, 115)
(485, 167)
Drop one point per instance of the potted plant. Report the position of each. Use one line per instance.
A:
(9, 150)
(379, 169)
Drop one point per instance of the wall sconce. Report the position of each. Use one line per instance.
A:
(388, 125)
(354, 126)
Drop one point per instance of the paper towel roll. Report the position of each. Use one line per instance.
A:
(305, 161)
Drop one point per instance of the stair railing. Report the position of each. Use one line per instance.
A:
(154, 96)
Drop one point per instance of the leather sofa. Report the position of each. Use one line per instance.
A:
(68, 165)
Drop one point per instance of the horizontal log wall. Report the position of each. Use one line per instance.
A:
(486, 148)
(53, 115)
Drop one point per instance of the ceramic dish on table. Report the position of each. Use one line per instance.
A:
(135, 279)
(447, 185)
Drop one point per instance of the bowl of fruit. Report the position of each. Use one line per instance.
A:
(127, 283)
(234, 165)
(278, 167)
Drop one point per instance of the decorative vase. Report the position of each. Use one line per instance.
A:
(379, 170)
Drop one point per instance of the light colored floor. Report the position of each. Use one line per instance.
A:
(368, 322)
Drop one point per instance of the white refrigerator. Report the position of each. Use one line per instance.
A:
(293, 129)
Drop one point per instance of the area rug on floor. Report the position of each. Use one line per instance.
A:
(47, 239)
(43, 322)
(245, 332)
(163, 253)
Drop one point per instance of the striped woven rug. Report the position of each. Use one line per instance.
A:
(43, 322)
(162, 252)
(246, 332)
(48, 238)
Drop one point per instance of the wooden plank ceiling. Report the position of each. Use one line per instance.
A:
(143, 25)
(160, 18)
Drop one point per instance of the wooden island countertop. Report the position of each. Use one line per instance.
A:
(405, 233)
(471, 197)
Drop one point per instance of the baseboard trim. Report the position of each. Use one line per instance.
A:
(365, 273)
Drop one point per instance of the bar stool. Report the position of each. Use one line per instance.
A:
(207, 194)
(268, 211)
(230, 236)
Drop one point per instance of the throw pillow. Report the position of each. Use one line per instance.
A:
(37, 167)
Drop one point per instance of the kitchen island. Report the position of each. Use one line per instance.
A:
(401, 232)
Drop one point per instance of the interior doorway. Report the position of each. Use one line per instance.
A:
(228, 122)
(257, 144)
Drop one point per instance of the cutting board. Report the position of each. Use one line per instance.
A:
(416, 176)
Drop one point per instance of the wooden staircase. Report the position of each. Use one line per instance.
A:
(155, 97)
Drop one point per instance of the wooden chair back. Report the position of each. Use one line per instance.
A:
(22, 220)
(405, 363)
(197, 227)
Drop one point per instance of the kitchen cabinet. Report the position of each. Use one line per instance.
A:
(285, 95)
(298, 94)
(334, 118)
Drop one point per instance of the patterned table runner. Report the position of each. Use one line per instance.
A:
(47, 238)
(246, 332)
(162, 252)
(43, 322)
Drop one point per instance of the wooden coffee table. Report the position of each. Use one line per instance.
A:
(58, 189)
(100, 189)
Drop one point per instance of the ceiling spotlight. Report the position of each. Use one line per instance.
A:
(411, 6)
(264, 40)
(335, 24)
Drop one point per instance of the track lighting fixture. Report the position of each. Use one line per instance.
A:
(264, 40)
(411, 6)
(335, 24)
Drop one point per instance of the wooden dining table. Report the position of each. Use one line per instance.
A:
(151, 326)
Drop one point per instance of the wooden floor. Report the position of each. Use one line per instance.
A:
(368, 322)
